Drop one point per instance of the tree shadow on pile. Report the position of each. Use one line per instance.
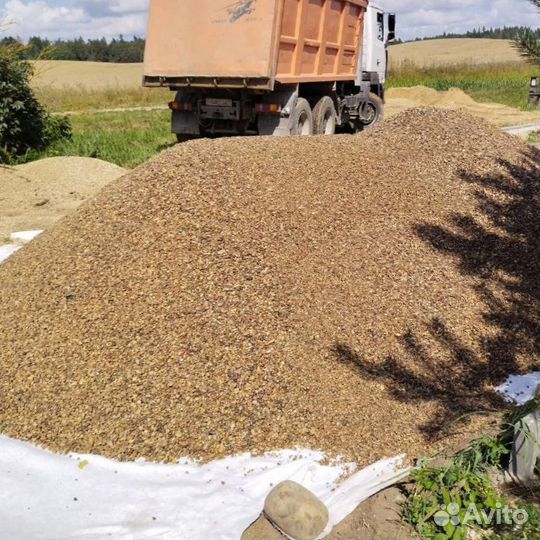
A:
(504, 260)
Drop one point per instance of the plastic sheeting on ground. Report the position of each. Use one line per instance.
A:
(45, 496)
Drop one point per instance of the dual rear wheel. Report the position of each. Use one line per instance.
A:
(322, 120)
(319, 121)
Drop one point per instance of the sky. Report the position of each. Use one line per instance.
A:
(109, 18)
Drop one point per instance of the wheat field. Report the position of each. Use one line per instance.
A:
(443, 52)
(62, 74)
(68, 86)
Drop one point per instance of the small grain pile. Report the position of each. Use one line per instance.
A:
(399, 99)
(349, 293)
(37, 194)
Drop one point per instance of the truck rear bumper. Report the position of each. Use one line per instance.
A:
(208, 82)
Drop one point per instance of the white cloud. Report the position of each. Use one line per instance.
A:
(64, 19)
(422, 18)
(109, 18)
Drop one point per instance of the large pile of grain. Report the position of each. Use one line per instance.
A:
(347, 293)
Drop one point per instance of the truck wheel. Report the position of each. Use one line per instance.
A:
(374, 111)
(324, 117)
(302, 120)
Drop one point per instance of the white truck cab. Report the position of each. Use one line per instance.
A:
(379, 29)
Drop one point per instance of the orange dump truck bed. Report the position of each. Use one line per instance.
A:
(252, 43)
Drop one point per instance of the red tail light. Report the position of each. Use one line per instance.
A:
(180, 106)
(267, 108)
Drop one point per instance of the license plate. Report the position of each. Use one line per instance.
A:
(214, 102)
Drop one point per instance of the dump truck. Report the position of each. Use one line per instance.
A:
(269, 67)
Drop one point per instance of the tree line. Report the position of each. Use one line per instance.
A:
(132, 50)
(506, 32)
(93, 50)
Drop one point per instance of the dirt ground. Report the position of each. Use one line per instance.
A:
(399, 99)
(37, 194)
(437, 52)
(377, 518)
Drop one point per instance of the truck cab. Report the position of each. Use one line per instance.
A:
(379, 30)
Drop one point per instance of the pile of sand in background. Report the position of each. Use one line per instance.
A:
(399, 99)
(349, 293)
(37, 194)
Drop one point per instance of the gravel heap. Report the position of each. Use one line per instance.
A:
(348, 293)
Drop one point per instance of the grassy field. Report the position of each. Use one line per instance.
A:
(126, 139)
(489, 70)
(486, 69)
(506, 83)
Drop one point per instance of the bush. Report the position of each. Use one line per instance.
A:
(24, 123)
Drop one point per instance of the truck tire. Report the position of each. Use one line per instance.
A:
(324, 117)
(374, 110)
(302, 118)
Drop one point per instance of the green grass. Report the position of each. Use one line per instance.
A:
(124, 138)
(506, 83)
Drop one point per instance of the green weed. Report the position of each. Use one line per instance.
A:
(448, 501)
(530, 530)
(438, 505)
(533, 137)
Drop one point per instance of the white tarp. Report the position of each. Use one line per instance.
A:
(7, 250)
(520, 388)
(17, 239)
(22, 237)
(45, 496)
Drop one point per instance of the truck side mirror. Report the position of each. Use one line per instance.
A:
(391, 26)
